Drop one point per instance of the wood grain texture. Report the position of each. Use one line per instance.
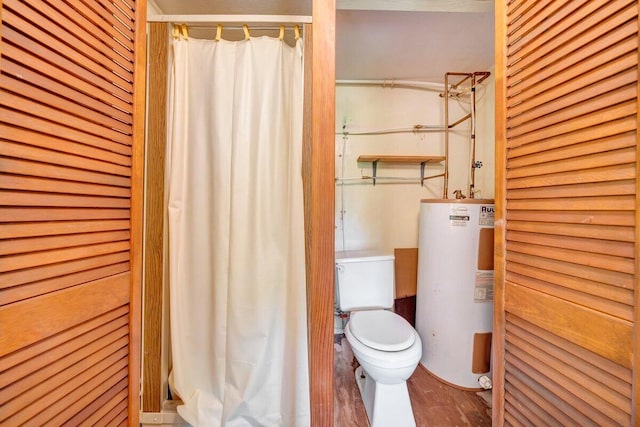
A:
(322, 213)
(498, 351)
(134, 365)
(635, 392)
(156, 147)
(60, 311)
(406, 271)
(434, 403)
(400, 159)
(599, 333)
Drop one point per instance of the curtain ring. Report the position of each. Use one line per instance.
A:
(281, 37)
(219, 32)
(184, 31)
(245, 28)
(176, 31)
(296, 30)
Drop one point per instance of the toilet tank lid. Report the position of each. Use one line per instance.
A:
(363, 256)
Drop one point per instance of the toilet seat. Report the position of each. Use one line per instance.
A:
(382, 330)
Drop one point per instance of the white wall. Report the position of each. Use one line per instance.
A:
(385, 217)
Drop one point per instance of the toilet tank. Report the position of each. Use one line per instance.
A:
(364, 280)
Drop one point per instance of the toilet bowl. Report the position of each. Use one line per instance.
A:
(388, 350)
(385, 344)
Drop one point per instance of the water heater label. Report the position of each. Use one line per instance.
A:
(459, 220)
(483, 289)
(487, 214)
(459, 216)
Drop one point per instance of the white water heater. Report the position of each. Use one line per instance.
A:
(454, 302)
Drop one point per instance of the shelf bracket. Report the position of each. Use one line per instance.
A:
(422, 173)
(374, 167)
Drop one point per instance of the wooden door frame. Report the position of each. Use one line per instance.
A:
(137, 211)
(500, 215)
(318, 174)
(635, 394)
(321, 244)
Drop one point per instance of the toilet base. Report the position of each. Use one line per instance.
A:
(385, 404)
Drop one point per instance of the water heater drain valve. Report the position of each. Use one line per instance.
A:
(485, 382)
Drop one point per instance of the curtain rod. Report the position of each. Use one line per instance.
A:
(232, 19)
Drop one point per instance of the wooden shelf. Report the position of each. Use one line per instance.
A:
(400, 159)
(420, 160)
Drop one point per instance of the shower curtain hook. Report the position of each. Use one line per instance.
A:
(296, 30)
(245, 28)
(219, 32)
(185, 31)
(281, 37)
(176, 31)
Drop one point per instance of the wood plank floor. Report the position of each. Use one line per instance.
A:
(434, 403)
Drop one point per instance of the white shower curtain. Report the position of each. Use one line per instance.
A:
(236, 234)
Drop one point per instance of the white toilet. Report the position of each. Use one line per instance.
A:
(385, 344)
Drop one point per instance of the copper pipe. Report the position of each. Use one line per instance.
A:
(446, 136)
(452, 125)
(473, 137)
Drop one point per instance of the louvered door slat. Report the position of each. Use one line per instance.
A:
(573, 154)
(71, 136)
(52, 272)
(32, 289)
(605, 262)
(43, 44)
(117, 11)
(596, 133)
(34, 259)
(533, 413)
(49, 377)
(108, 17)
(12, 214)
(61, 145)
(611, 239)
(92, 389)
(587, 121)
(615, 294)
(42, 108)
(566, 208)
(77, 94)
(596, 83)
(111, 126)
(59, 228)
(579, 271)
(105, 23)
(75, 80)
(52, 128)
(79, 163)
(110, 331)
(531, 17)
(573, 39)
(100, 406)
(567, 187)
(12, 182)
(555, 413)
(42, 15)
(63, 12)
(113, 368)
(576, 109)
(44, 243)
(604, 304)
(21, 167)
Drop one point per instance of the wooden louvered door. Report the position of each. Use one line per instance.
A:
(566, 196)
(71, 145)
